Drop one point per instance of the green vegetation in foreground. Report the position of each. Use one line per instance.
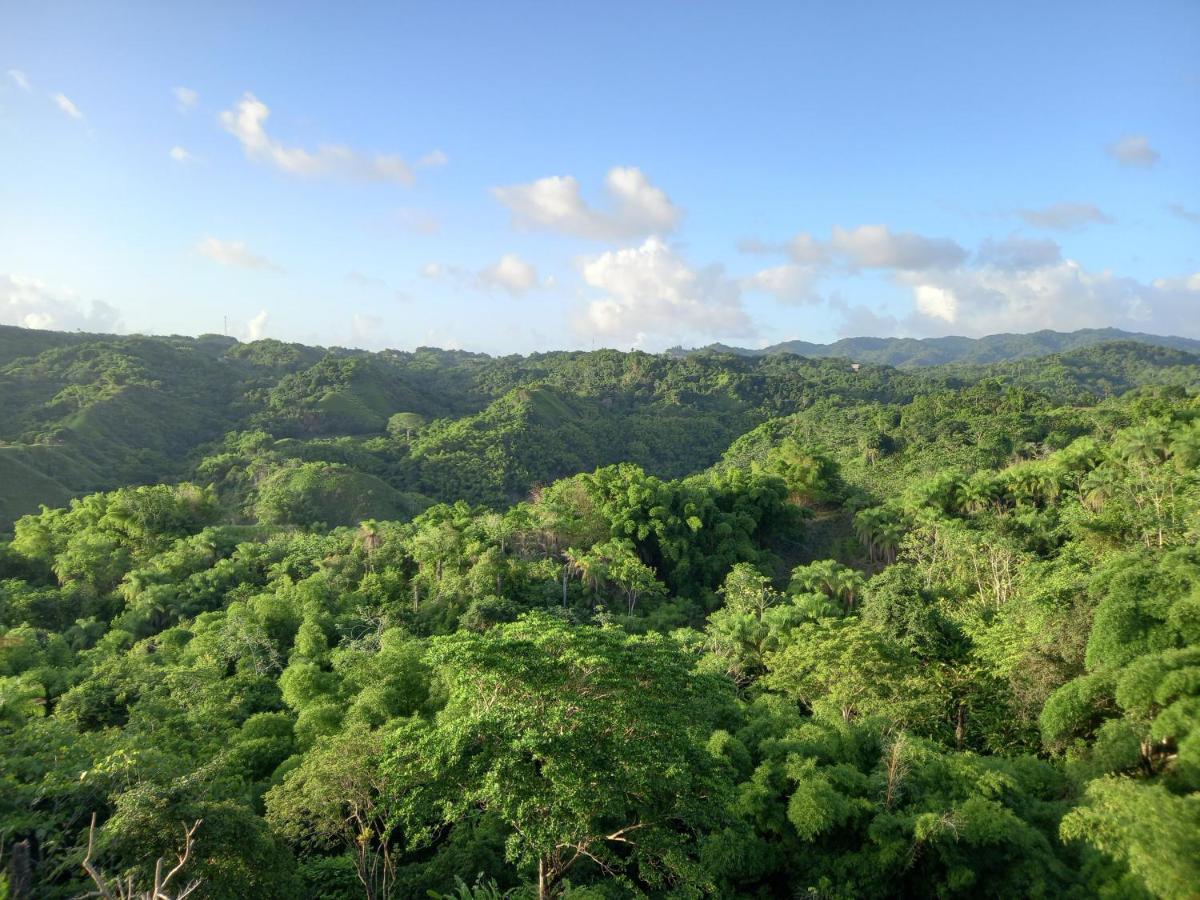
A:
(599, 625)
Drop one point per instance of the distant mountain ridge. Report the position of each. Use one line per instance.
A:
(17, 342)
(919, 352)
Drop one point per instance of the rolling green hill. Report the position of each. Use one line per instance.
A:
(995, 348)
(80, 413)
(410, 624)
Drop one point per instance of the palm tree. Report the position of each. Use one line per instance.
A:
(879, 530)
(1185, 446)
(977, 492)
(887, 540)
(574, 563)
(1146, 444)
(831, 578)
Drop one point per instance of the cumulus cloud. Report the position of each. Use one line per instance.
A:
(247, 122)
(233, 253)
(1062, 296)
(635, 206)
(803, 248)
(1011, 284)
(181, 155)
(1182, 212)
(1133, 150)
(20, 79)
(368, 330)
(759, 247)
(256, 328)
(512, 274)
(1169, 305)
(878, 247)
(864, 247)
(1065, 216)
(650, 292)
(64, 103)
(859, 320)
(432, 160)
(1016, 253)
(30, 303)
(789, 283)
(185, 98)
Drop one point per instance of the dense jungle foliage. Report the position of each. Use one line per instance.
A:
(597, 625)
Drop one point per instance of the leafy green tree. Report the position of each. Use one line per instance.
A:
(1155, 832)
(405, 423)
(811, 476)
(335, 799)
(586, 742)
(845, 668)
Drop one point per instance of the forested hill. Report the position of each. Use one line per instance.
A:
(596, 626)
(908, 352)
(295, 434)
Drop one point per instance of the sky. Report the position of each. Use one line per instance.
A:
(520, 177)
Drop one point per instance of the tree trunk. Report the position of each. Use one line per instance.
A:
(20, 870)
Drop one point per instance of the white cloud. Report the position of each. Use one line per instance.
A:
(1016, 253)
(859, 320)
(789, 283)
(185, 98)
(864, 247)
(247, 123)
(432, 160)
(935, 302)
(64, 103)
(181, 155)
(1170, 306)
(1062, 296)
(877, 247)
(367, 331)
(652, 293)
(20, 79)
(30, 303)
(1133, 150)
(636, 207)
(759, 247)
(256, 328)
(803, 248)
(233, 253)
(511, 273)
(1065, 216)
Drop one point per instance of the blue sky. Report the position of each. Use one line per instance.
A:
(531, 176)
